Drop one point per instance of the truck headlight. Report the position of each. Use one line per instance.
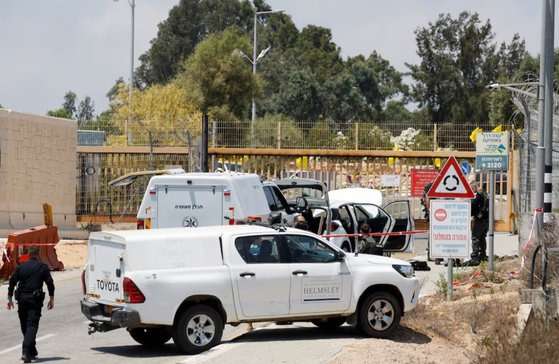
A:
(405, 270)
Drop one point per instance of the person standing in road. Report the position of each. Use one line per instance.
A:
(480, 224)
(29, 295)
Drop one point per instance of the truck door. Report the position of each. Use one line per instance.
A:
(260, 273)
(189, 206)
(400, 214)
(320, 283)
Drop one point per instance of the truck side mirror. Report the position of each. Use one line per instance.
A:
(340, 256)
(301, 204)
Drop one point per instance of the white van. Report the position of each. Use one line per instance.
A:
(202, 199)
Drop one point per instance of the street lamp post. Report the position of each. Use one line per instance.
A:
(131, 81)
(255, 59)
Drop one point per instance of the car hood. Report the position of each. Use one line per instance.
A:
(376, 259)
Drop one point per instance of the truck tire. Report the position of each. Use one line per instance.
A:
(379, 314)
(151, 337)
(198, 329)
(331, 323)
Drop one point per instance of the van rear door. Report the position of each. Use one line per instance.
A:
(105, 268)
(189, 206)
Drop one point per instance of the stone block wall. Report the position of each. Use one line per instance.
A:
(37, 165)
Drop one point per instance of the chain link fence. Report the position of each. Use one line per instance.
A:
(266, 134)
(524, 96)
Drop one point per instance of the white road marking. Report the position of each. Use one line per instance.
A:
(218, 350)
(19, 346)
(211, 354)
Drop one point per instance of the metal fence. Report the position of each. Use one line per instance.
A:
(266, 134)
(524, 96)
(97, 201)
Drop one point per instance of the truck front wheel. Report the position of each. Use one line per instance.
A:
(151, 337)
(379, 314)
(198, 329)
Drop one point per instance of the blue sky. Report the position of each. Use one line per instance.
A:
(50, 47)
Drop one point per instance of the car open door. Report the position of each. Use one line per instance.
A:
(401, 220)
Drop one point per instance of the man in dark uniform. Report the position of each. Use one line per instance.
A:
(30, 296)
(480, 225)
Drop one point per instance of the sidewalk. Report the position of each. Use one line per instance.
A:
(505, 245)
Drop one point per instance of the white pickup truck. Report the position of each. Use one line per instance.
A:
(187, 283)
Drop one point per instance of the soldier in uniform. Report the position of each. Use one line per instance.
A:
(29, 278)
(480, 224)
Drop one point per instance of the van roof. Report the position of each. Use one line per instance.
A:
(202, 177)
(122, 236)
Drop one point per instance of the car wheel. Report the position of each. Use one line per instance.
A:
(198, 329)
(330, 323)
(379, 314)
(151, 337)
(346, 247)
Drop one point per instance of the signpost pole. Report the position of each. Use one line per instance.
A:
(491, 232)
(449, 280)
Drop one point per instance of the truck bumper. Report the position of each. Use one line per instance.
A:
(122, 317)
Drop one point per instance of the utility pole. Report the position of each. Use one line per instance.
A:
(540, 151)
(548, 115)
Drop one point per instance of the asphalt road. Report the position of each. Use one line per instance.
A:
(63, 337)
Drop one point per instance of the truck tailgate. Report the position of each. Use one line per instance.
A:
(105, 271)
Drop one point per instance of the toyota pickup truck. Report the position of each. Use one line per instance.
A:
(187, 283)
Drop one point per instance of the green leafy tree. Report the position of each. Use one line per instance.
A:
(378, 82)
(458, 60)
(321, 135)
(217, 76)
(69, 103)
(113, 91)
(85, 111)
(59, 113)
(188, 24)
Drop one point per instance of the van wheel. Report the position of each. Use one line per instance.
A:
(330, 323)
(346, 247)
(151, 337)
(379, 314)
(199, 328)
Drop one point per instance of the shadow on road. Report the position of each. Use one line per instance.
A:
(288, 333)
(406, 335)
(139, 351)
(50, 358)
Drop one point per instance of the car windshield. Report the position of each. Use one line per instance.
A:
(303, 191)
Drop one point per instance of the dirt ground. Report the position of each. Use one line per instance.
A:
(459, 331)
(72, 253)
(407, 346)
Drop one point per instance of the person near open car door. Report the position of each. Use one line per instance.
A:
(366, 244)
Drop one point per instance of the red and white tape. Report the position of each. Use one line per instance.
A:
(396, 233)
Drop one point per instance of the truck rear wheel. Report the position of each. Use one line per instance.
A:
(198, 329)
(379, 314)
(331, 323)
(151, 337)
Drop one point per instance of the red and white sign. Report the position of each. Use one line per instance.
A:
(449, 233)
(440, 215)
(421, 178)
(451, 183)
